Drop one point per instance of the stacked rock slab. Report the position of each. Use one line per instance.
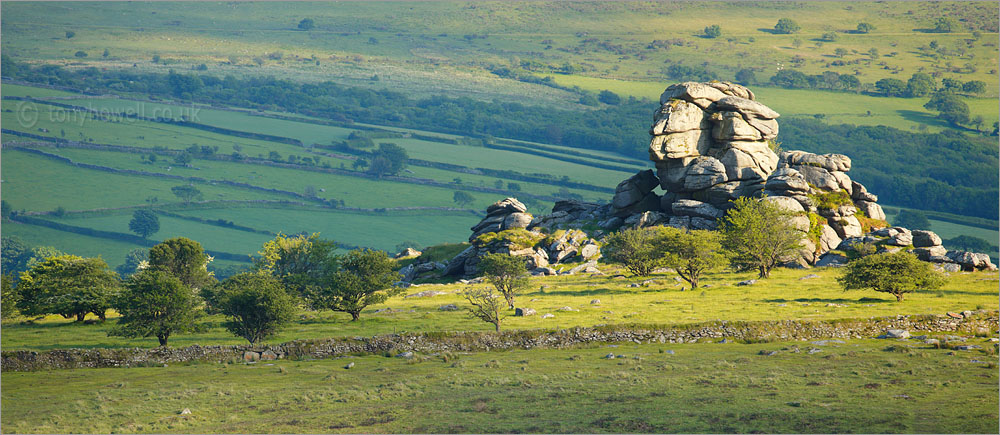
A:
(804, 176)
(538, 249)
(926, 245)
(710, 146)
(505, 214)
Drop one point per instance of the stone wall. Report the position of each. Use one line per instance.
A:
(758, 331)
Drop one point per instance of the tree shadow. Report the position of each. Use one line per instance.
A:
(927, 31)
(770, 30)
(831, 300)
(588, 292)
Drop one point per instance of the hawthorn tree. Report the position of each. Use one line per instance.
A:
(691, 253)
(184, 259)
(365, 277)
(67, 285)
(256, 306)
(486, 305)
(759, 234)
(154, 303)
(896, 273)
(506, 272)
(144, 223)
(299, 262)
(635, 248)
(786, 26)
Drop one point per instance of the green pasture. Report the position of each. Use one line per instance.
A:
(112, 251)
(787, 295)
(37, 183)
(835, 107)
(380, 231)
(867, 386)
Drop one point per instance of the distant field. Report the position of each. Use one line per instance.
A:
(835, 107)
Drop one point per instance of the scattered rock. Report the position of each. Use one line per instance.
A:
(547, 316)
(349, 366)
(747, 282)
(185, 411)
(810, 276)
(251, 356)
(595, 302)
(425, 294)
(896, 333)
(524, 312)
(448, 307)
(407, 355)
(566, 309)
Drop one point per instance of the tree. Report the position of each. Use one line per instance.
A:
(306, 24)
(183, 259)
(67, 285)
(746, 76)
(954, 111)
(80, 53)
(486, 305)
(608, 97)
(829, 36)
(186, 193)
(759, 234)
(365, 278)
(969, 243)
(635, 248)
(70, 34)
(144, 223)
(359, 163)
(919, 85)
(256, 306)
(896, 273)
(6, 210)
(506, 272)
(8, 297)
(299, 262)
(462, 198)
(786, 26)
(713, 31)
(890, 87)
(865, 27)
(977, 121)
(840, 52)
(134, 260)
(154, 303)
(943, 25)
(388, 159)
(106, 53)
(691, 253)
(974, 87)
(912, 219)
(951, 84)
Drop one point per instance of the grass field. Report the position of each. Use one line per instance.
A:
(857, 386)
(835, 107)
(787, 295)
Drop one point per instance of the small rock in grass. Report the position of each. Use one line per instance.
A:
(186, 411)
(932, 341)
(669, 352)
(897, 333)
(768, 352)
(523, 312)
(595, 302)
(449, 307)
(609, 356)
(810, 276)
(406, 355)
(967, 347)
(349, 366)
(747, 282)
(814, 350)
(827, 342)
(566, 309)
(547, 316)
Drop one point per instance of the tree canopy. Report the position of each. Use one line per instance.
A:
(144, 222)
(256, 306)
(365, 277)
(508, 273)
(184, 259)
(691, 253)
(154, 304)
(299, 262)
(786, 26)
(759, 234)
(67, 285)
(635, 248)
(896, 273)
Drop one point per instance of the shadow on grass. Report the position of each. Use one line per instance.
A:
(589, 292)
(831, 300)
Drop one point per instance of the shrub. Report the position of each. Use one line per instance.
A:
(635, 249)
(67, 285)
(691, 253)
(713, 31)
(516, 237)
(896, 273)
(255, 305)
(759, 234)
(786, 26)
(154, 303)
(365, 278)
(486, 306)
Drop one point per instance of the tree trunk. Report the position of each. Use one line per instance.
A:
(510, 301)
(102, 315)
(899, 297)
(694, 283)
(497, 324)
(355, 315)
(764, 272)
(80, 316)
(163, 339)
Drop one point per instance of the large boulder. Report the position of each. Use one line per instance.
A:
(692, 208)
(701, 94)
(830, 162)
(925, 239)
(748, 108)
(703, 173)
(679, 116)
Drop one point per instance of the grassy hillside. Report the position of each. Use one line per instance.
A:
(688, 388)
